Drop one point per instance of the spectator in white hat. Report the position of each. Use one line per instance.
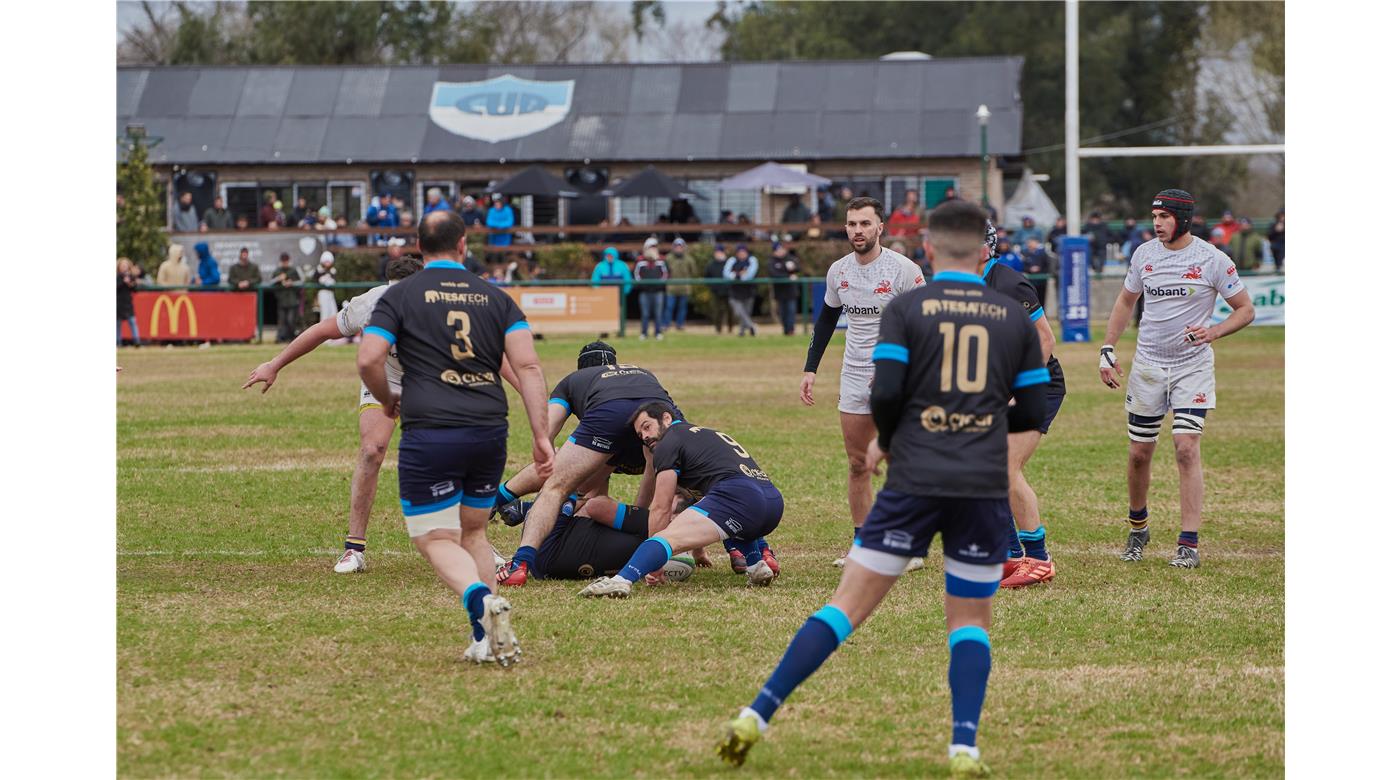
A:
(325, 275)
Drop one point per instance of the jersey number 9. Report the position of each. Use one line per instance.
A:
(463, 324)
(971, 369)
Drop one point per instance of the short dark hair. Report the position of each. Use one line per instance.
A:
(284, 256)
(653, 409)
(403, 267)
(867, 203)
(440, 231)
(957, 228)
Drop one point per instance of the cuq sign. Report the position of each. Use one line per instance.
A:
(500, 109)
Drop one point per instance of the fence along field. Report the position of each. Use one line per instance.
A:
(241, 654)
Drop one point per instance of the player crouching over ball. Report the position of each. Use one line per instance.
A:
(738, 501)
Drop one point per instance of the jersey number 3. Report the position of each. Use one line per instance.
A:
(460, 321)
(971, 371)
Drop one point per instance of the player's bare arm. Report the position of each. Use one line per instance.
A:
(1241, 314)
(520, 351)
(1117, 323)
(309, 339)
(1047, 338)
(370, 362)
(659, 512)
(647, 489)
(821, 337)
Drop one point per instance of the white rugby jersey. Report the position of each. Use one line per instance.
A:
(862, 291)
(1178, 289)
(355, 316)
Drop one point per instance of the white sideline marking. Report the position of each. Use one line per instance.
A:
(247, 553)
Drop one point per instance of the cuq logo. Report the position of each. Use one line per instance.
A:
(500, 109)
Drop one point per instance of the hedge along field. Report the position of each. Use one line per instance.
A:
(241, 654)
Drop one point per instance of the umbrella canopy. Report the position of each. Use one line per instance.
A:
(771, 174)
(651, 183)
(535, 180)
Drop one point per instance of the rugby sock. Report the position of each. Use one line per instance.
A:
(1013, 545)
(1187, 539)
(570, 504)
(504, 496)
(969, 664)
(651, 556)
(524, 555)
(1137, 518)
(818, 638)
(474, 598)
(752, 553)
(730, 545)
(355, 543)
(1035, 543)
(762, 544)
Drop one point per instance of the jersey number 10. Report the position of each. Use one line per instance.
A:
(971, 361)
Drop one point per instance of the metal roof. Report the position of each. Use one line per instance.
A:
(701, 111)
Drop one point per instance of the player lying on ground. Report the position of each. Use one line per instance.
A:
(375, 429)
(1028, 562)
(1174, 365)
(453, 330)
(859, 285)
(738, 500)
(949, 359)
(596, 539)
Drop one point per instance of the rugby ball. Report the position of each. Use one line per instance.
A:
(679, 568)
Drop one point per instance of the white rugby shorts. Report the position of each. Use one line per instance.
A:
(1153, 391)
(855, 389)
(367, 400)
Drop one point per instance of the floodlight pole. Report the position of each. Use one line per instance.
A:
(982, 116)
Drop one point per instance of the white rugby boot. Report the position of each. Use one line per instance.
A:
(610, 587)
(495, 619)
(350, 561)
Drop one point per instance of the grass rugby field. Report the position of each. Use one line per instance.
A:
(241, 654)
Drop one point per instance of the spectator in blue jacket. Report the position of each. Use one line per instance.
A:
(1007, 256)
(501, 217)
(435, 202)
(611, 270)
(1027, 232)
(208, 266)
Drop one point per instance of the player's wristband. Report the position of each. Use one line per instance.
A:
(1107, 359)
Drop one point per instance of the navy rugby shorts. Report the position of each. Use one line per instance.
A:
(742, 507)
(442, 467)
(973, 529)
(604, 429)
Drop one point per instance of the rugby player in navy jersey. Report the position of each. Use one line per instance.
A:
(950, 357)
(452, 330)
(1028, 560)
(738, 500)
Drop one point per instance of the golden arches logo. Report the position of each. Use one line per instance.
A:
(172, 308)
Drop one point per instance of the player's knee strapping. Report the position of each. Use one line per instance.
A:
(970, 580)
(1144, 428)
(1189, 421)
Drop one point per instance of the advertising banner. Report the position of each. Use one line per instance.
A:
(1267, 294)
(171, 315)
(1074, 289)
(568, 309)
(264, 247)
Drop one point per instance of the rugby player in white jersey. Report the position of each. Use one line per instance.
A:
(1174, 366)
(858, 285)
(375, 429)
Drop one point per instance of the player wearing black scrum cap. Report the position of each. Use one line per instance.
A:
(1178, 275)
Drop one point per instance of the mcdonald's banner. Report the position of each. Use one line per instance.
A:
(172, 315)
(568, 309)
